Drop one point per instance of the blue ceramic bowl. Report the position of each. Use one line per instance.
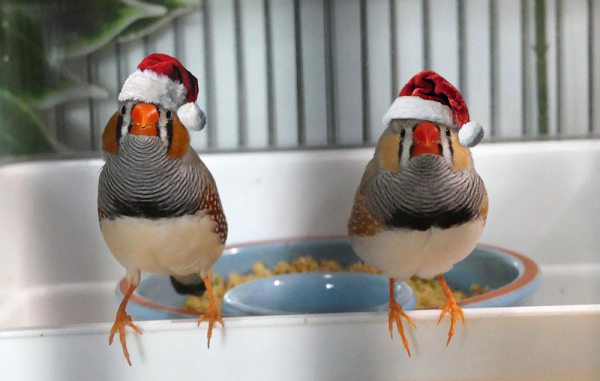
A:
(320, 292)
(510, 276)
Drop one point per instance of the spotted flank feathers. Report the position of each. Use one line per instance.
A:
(362, 222)
(211, 205)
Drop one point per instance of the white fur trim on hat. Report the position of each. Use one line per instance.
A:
(148, 86)
(411, 107)
(191, 116)
(470, 134)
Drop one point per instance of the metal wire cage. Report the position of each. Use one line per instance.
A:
(321, 73)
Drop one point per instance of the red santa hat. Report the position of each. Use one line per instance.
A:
(161, 79)
(429, 96)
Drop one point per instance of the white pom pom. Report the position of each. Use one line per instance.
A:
(470, 134)
(191, 116)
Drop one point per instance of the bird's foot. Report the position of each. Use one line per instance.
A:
(455, 312)
(121, 321)
(394, 315)
(211, 316)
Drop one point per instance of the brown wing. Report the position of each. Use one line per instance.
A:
(210, 203)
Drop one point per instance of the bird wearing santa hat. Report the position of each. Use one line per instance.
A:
(158, 204)
(421, 206)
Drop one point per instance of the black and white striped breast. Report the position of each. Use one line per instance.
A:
(427, 193)
(142, 181)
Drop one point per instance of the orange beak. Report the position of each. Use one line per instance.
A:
(427, 139)
(143, 118)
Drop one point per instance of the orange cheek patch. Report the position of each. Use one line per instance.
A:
(461, 158)
(109, 136)
(180, 143)
(388, 153)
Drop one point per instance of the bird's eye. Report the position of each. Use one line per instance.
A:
(123, 110)
(402, 134)
(169, 114)
(447, 132)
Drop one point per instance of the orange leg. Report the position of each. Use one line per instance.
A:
(121, 321)
(395, 313)
(451, 307)
(212, 315)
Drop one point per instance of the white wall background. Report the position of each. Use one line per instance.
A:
(287, 73)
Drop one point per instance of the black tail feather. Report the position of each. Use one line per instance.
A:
(197, 289)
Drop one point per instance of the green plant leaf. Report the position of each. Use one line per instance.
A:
(144, 27)
(26, 72)
(23, 64)
(90, 29)
(21, 133)
(67, 90)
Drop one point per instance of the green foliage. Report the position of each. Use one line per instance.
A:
(23, 74)
(85, 19)
(146, 26)
(21, 132)
(169, 4)
(22, 68)
(99, 32)
(33, 30)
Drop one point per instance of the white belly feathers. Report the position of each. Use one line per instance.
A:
(178, 246)
(402, 253)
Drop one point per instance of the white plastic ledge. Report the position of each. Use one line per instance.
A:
(503, 343)
(57, 274)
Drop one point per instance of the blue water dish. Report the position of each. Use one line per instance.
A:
(306, 293)
(511, 277)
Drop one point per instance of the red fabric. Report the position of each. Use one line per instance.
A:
(172, 68)
(431, 86)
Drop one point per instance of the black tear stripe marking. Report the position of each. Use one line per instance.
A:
(400, 149)
(119, 127)
(170, 133)
(188, 289)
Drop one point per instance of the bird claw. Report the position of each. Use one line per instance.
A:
(455, 312)
(394, 315)
(211, 316)
(122, 320)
